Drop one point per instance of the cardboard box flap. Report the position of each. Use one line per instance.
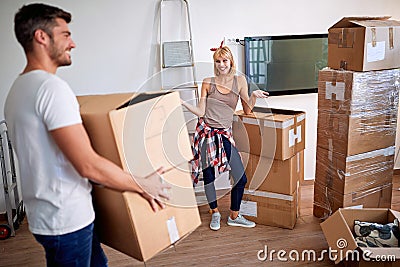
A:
(337, 234)
(348, 22)
(137, 98)
(103, 103)
(254, 114)
(149, 126)
(376, 23)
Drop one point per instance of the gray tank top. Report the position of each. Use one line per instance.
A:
(220, 107)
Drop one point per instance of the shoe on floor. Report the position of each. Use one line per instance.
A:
(241, 221)
(215, 223)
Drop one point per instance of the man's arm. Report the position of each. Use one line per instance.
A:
(75, 144)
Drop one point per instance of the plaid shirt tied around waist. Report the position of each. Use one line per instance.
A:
(215, 152)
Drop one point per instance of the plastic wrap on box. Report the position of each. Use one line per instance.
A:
(357, 111)
(372, 93)
(352, 135)
(349, 174)
(327, 201)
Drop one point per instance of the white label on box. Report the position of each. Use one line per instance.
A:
(293, 137)
(172, 230)
(248, 208)
(376, 53)
(338, 89)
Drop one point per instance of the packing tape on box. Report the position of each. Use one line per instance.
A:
(294, 136)
(301, 117)
(389, 151)
(279, 125)
(391, 43)
(338, 90)
(268, 194)
(269, 123)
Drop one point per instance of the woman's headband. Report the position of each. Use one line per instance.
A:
(215, 49)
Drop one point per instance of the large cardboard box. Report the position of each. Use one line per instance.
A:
(357, 111)
(140, 133)
(270, 133)
(274, 175)
(364, 44)
(327, 200)
(271, 209)
(339, 233)
(348, 174)
(351, 135)
(357, 93)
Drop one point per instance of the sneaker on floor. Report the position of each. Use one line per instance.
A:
(215, 223)
(241, 221)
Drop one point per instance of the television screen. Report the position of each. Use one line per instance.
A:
(286, 64)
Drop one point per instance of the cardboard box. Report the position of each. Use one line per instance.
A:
(357, 93)
(271, 209)
(364, 44)
(135, 132)
(348, 174)
(351, 135)
(270, 133)
(273, 175)
(339, 229)
(327, 200)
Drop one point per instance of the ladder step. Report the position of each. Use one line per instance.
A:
(179, 66)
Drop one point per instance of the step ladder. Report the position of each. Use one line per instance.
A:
(176, 55)
(14, 215)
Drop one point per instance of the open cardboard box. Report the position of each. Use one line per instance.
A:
(364, 44)
(270, 133)
(140, 133)
(338, 231)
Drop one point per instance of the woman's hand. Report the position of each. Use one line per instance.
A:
(260, 94)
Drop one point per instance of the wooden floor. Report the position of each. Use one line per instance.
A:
(230, 246)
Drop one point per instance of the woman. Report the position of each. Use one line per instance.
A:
(213, 142)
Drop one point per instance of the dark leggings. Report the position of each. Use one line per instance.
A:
(237, 173)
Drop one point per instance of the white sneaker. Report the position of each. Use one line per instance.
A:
(241, 221)
(215, 223)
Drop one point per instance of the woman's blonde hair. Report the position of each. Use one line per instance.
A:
(224, 52)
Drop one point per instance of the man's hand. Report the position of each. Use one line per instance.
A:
(154, 189)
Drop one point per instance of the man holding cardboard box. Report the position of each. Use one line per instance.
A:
(53, 148)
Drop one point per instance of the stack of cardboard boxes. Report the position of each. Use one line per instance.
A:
(357, 116)
(140, 133)
(271, 142)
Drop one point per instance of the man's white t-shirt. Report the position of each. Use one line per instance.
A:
(57, 198)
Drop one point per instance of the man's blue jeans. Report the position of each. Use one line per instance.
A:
(76, 249)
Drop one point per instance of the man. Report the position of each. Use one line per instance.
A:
(55, 156)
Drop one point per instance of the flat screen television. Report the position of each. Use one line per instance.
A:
(285, 64)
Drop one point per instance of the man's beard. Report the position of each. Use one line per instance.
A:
(58, 55)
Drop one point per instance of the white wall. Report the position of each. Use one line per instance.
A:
(117, 41)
